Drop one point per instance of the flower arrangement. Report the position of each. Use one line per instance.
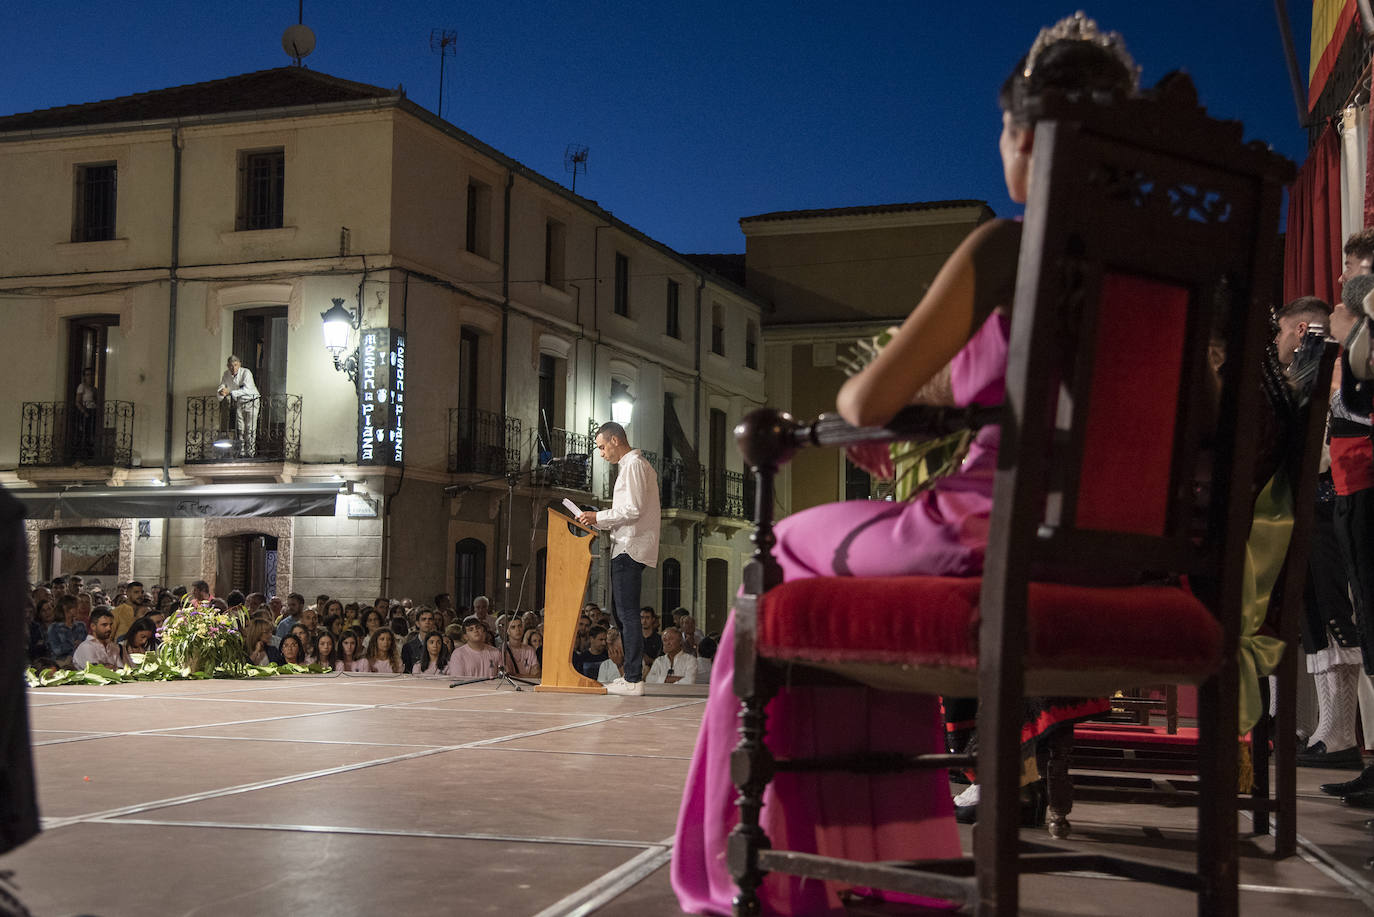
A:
(201, 638)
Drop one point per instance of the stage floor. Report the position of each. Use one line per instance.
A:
(368, 795)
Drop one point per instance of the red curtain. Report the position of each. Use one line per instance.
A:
(1312, 254)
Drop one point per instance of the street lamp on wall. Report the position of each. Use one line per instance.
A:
(339, 323)
(622, 403)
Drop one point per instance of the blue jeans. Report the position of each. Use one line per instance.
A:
(626, 576)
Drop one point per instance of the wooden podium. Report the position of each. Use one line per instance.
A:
(569, 565)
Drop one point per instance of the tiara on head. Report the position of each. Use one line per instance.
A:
(1079, 27)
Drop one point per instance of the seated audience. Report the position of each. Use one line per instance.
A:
(100, 647)
(434, 656)
(653, 643)
(519, 659)
(292, 653)
(534, 639)
(614, 666)
(384, 653)
(413, 647)
(140, 638)
(350, 653)
(676, 666)
(475, 658)
(588, 662)
(65, 633)
(326, 653)
(257, 639)
(687, 626)
(39, 625)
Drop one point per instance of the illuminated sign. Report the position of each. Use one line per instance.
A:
(381, 397)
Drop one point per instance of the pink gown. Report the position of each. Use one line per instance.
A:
(941, 533)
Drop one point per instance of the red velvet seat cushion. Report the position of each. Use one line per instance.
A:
(933, 621)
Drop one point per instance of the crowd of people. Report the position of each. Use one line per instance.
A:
(74, 623)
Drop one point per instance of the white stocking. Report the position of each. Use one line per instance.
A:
(1336, 707)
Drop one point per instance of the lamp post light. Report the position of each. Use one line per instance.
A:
(622, 403)
(339, 323)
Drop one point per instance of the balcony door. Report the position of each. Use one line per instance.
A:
(260, 342)
(88, 344)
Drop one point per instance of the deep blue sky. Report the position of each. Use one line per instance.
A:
(696, 114)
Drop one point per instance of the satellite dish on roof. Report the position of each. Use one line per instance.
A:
(298, 41)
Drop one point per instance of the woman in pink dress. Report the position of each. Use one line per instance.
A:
(951, 349)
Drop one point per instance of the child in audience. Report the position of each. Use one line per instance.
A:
(475, 658)
(326, 653)
(384, 655)
(534, 639)
(435, 658)
(519, 658)
(350, 658)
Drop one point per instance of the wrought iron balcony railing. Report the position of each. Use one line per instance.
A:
(683, 484)
(483, 442)
(262, 429)
(565, 459)
(731, 495)
(54, 433)
(608, 491)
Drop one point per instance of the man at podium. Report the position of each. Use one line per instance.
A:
(634, 520)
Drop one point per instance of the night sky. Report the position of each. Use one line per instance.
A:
(696, 114)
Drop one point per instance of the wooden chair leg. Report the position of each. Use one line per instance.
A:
(1218, 748)
(1259, 760)
(1058, 783)
(1286, 757)
(751, 768)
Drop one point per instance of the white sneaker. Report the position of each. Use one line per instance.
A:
(626, 688)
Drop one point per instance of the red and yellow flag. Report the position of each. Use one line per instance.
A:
(1331, 20)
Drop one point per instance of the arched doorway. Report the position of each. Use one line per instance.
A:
(717, 594)
(246, 562)
(469, 571)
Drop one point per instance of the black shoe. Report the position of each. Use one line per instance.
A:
(1363, 800)
(1361, 784)
(1345, 759)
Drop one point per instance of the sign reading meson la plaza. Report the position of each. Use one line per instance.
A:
(381, 397)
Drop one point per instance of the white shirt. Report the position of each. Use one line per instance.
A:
(92, 650)
(634, 517)
(685, 664)
(239, 384)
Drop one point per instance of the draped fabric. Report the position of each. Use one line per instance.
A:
(1354, 162)
(1368, 165)
(1312, 253)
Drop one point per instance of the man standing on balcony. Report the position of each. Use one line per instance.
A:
(236, 386)
(634, 520)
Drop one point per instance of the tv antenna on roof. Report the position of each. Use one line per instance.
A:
(443, 42)
(574, 161)
(298, 41)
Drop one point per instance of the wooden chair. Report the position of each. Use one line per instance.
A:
(1278, 799)
(1150, 229)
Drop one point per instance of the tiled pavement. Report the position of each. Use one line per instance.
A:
(368, 795)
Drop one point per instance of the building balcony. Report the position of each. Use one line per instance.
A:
(55, 434)
(730, 500)
(263, 429)
(483, 442)
(683, 486)
(565, 460)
